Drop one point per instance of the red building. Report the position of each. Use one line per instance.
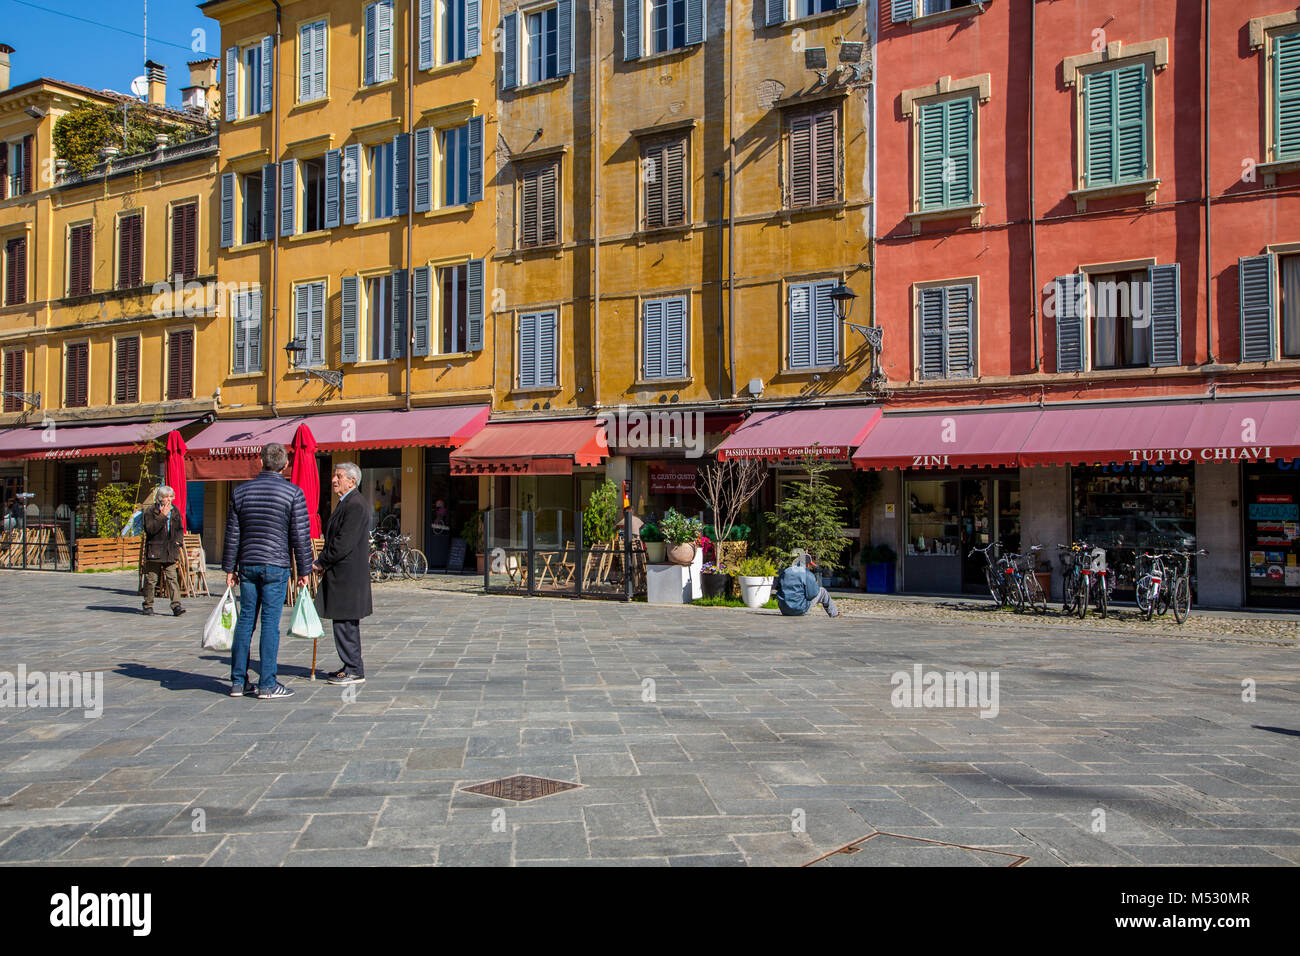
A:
(1087, 273)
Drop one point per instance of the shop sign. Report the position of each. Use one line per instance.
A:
(838, 452)
(672, 479)
(1273, 512)
(1254, 453)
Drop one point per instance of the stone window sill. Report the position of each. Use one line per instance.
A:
(1270, 170)
(974, 213)
(943, 16)
(1143, 187)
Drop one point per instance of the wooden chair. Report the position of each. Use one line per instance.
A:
(566, 564)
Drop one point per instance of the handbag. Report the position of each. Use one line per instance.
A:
(305, 622)
(219, 631)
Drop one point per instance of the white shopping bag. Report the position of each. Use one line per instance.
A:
(219, 631)
(305, 622)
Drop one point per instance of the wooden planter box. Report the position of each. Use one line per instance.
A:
(108, 553)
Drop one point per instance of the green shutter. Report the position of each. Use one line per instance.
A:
(421, 278)
(1131, 122)
(1286, 96)
(474, 305)
(1115, 126)
(959, 354)
(1099, 128)
(348, 320)
(1164, 303)
(1258, 293)
(959, 148)
(932, 332)
(1071, 311)
(932, 146)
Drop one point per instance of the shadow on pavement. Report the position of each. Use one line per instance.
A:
(1277, 730)
(172, 679)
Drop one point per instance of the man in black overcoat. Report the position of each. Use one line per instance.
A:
(344, 569)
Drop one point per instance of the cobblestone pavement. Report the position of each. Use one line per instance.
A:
(761, 741)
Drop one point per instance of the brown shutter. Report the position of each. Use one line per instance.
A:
(13, 380)
(16, 271)
(191, 241)
(137, 251)
(654, 188)
(675, 183)
(130, 274)
(77, 384)
(801, 161)
(127, 386)
(548, 201)
(528, 209)
(180, 364)
(79, 260)
(824, 127)
(184, 258)
(120, 360)
(29, 143)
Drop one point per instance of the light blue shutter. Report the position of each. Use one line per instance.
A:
(239, 328)
(288, 197)
(1071, 313)
(230, 84)
(475, 172)
(694, 21)
(306, 47)
(351, 176)
(473, 27)
(959, 356)
(253, 331)
(1165, 306)
(546, 349)
(652, 359)
(474, 300)
(302, 322)
(1258, 291)
(1286, 96)
(826, 322)
(510, 51)
(775, 12)
(425, 39)
(933, 346)
(316, 323)
(528, 351)
(631, 29)
(399, 313)
(801, 326)
(564, 37)
(319, 59)
(1131, 121)
(421, 277)
(227, 210)
(269, 173)
(900, 11)
(1099, 128)
(369, 74)
(333, 187)
(423, 165)
(675, 337)
(348, 323)
(959, 136)
(846, 3)
(268, 73)
(931, 134)
(401, 173)
(384, 41)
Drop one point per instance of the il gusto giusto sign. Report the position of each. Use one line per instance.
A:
(1253, 453)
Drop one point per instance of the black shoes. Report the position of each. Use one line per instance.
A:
(178, 610)
(146, 610)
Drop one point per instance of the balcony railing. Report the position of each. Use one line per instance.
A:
(162, 154)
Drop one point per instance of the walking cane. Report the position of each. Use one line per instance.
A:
(313, 658)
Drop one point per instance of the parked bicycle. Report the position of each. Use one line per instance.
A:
(1085, 579)
(1011, 579)
(391, 553)
(996, 574)
(1164, 582)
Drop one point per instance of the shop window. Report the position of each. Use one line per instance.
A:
(1272, 538)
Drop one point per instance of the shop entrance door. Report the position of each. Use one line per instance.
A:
(990, 512)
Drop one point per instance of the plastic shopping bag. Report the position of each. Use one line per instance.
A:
(305, 621)
(219, 631)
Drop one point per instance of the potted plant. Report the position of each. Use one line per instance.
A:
(681, 535)
(714, 580)
(811, 517)
(600, 518)
(653, 539)
(473, 535)
(879, 564)
(756, 576)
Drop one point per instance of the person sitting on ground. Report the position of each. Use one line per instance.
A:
(797, 588)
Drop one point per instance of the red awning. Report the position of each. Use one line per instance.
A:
(947, 440)
(799, 432)
(532, 448)
(58, 441)
(231, 450)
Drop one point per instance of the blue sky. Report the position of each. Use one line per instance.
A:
(53, 38)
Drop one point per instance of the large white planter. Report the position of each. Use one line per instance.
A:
(668, 584)
(755, 591)
(654, 552)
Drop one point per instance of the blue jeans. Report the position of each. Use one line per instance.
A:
(261, 587)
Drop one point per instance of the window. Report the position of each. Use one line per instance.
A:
(1115, 130)
(180, 364)
(126, 370)
(540, 48)
(947, 330)
(543, 46)
(810, 8)
(251, 186)
(15, 380)
(16, 271)
(455, 166)
(381, 181)
(814, 325)
(254, 63)
(312, 62)
(664, 338)
(80, 258)
(308, 323)
(1119, 325)
(313, 194)
(904, 10)
(663, 172)
(130, 251)
(946, 148)
(453, 30)
(452, 295)
(665, 24)
(1289, 269)
(458, 29)
(456, 303)
(185, 251)
(76, 378)
(539, 205)
(16, 164)
(537, 334)
(1133, 317)
(379, 318)
(378, 43)
(1270, 307)
(246, 332)
(253, 80)
(668, 24)
(812, 176)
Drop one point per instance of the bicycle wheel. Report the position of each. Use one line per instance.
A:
(1069, 590)
(1182, 599)
(1081, 600)
(1103, 600)
(414, 564)
(995, 586)
(1034, 593)
(1162, 602)
(378, 566)
(1142, 593)
(1017, 593)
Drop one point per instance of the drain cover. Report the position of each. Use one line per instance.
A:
(521, 787)
(892, 849)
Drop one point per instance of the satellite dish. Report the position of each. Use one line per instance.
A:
(140, 87)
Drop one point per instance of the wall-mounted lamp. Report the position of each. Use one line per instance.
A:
(331, 377)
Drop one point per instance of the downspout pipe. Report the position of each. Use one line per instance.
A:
(275, 231)
(410, 193)
(731, 196)
(1209, 236)
(594, 59)
(1035, 318)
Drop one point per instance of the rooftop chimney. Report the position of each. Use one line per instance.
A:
(203, 93)
(156, 75)
(203, 73)
(5, 50)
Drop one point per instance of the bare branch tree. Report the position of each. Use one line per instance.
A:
(727, 486)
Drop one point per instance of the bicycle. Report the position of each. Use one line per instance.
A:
(995, 575)
(391, 553)
(1026, 591)
(1150, 592)
(1167, 585)
(1085, 578)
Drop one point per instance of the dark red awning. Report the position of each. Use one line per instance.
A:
(947, 440)
(532, 448)
(800, 432)
(59, 441)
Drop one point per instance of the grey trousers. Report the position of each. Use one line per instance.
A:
(347, 641)
(824, 599)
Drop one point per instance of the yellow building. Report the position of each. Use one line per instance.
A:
(98, 355)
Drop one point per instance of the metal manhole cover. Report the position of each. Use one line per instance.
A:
(893, 849)
(521, 787)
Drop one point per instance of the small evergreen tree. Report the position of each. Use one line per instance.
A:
(600, 519)
(811, 517)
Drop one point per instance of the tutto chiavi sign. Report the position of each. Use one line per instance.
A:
(1253, 453)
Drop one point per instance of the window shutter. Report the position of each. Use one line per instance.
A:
(253, 330)
(1258, 293)
(74, 261)
(180, 364)
(230, 84)
(475, 171)
(675, 338)
(674, 183)
(801, 161)
(801, 326)
(425, 36)
(421, 302)
(510, 51)
(82, 261)
(564, 37)
(1099, 133)
(187, 364)
(333, 187)
(268, 74)
(826, 346)
(1165, 310)
(473, 27)
(125, 370)
(370, 44)
(528, 189)
(546, 349)
(128, 252)
(548, 205)
(351, 177)
(239, 333)
(302, 323)
(900, 11)
(827, 179)
(694, 21)
(190, 215)
(316, 323)
(348, 324)
(306, 47)
(1286, 96)
(75, 374)
(1071, 312)
(930, 118)
(653, 176)
(423, 169)
(1131, 121)
(632, 29)
(384, 41)
(528, 351)
(4, 171)
(474, 305)
(178, 244)
(15, 379)
(288, 197)
(652, 360)
(959, 357)
(959, 186)
(16, 280)
(401, 173)
(227, 210)
(269, 173)
(29, 161)
(319, 61)
(933, 346)
(398, 324)
(775, 13)
(846, 3)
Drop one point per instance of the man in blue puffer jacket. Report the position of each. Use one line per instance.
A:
(268, 518)
(797, 588)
